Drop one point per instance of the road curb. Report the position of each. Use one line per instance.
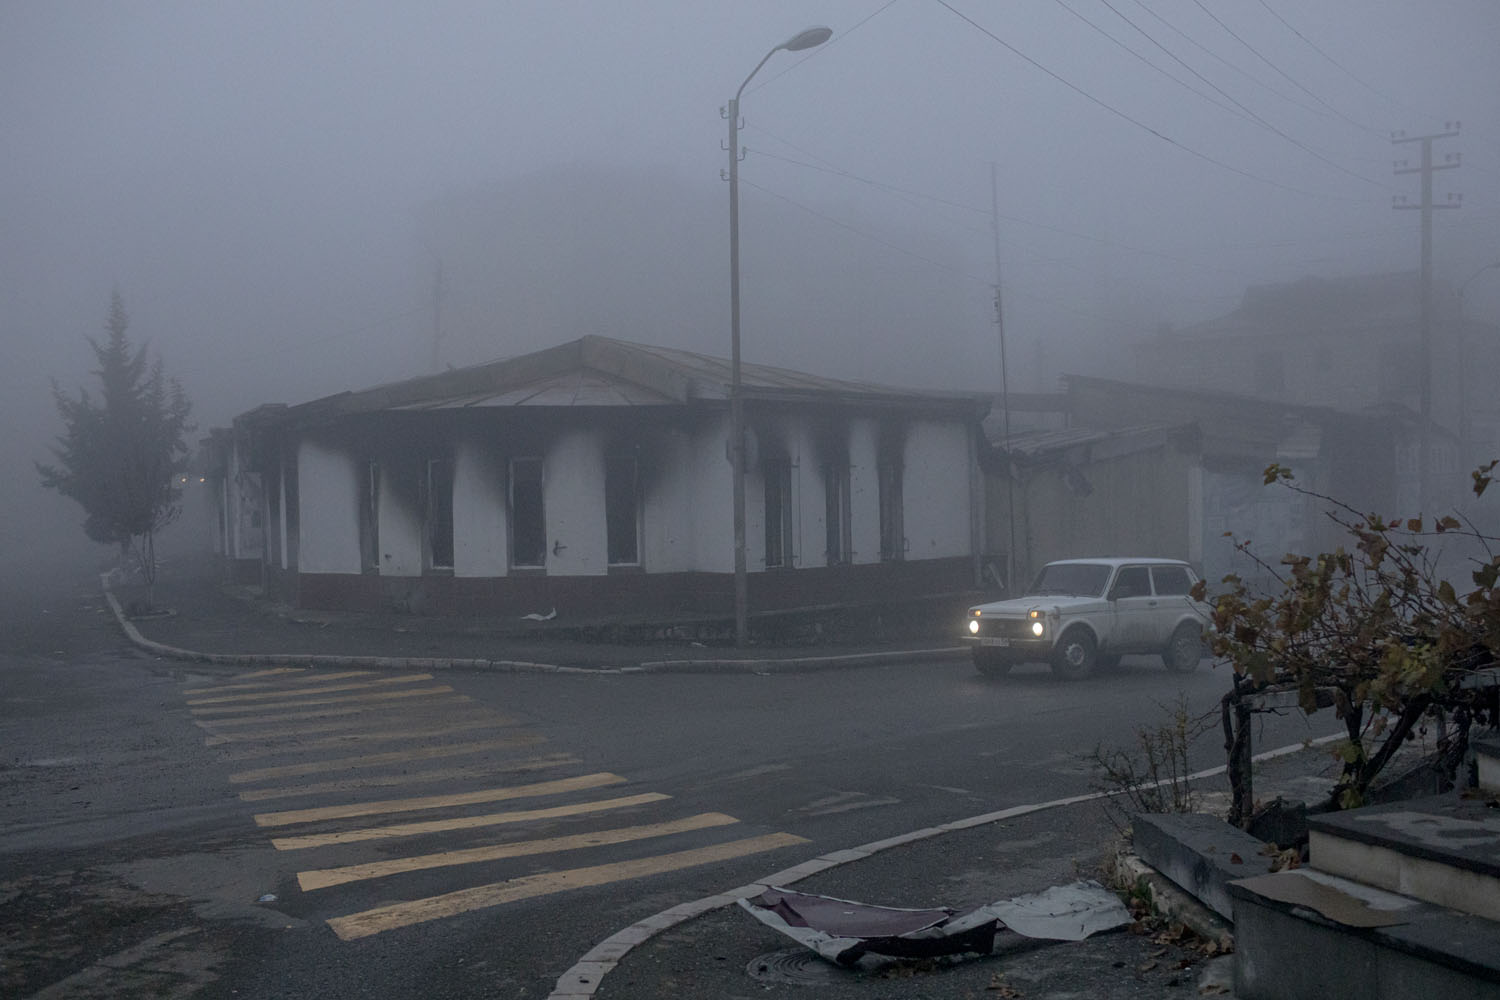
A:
(720, 665)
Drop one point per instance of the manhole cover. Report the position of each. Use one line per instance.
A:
(801, 968)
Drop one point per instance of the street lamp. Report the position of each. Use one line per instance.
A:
(802, 40)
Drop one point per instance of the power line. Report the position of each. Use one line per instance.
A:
(1255, 52)
(1340, 67)
(1252, 116)
(1122, 115)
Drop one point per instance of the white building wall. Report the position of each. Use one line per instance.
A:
(670, 506)
(710, 485)
(400, 521)
(864, 491)
(935, 488)
(481, 543)
(573, 503)
(328, 515)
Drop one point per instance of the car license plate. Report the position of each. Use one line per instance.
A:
(994, 640)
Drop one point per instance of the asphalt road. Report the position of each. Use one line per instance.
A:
(181, 831)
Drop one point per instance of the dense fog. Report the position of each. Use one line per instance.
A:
(298, 198)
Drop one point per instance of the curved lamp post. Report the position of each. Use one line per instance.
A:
(802, 40)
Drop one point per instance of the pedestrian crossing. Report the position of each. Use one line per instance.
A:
(367, 780)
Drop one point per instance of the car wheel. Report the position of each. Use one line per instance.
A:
(1184, 649)
(1074, 656)
(992, 663)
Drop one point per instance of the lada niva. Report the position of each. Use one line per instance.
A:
(1083, 613)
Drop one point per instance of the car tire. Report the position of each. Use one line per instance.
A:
(1075, 655)
(992, 662)
(1184, 650)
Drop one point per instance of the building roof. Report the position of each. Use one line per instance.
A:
(1321, 306)
(604, 372)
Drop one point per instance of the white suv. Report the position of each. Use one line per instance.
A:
(1080, 613)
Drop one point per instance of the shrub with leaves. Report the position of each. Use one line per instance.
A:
(1372, 630)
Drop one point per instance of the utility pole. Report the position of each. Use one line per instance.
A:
(437, 314)
(1010, 489)
(1426, 206)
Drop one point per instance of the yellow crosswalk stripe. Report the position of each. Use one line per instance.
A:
(382, 759)
(258, 685)
(350, 741)
(323, 878)
(385, 918)
(559, 787)
(225, 699)
(461, 822)
(277, 737)
(483, 772)
(343, 699)
(217, 725)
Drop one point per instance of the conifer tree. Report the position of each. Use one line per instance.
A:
(120, 454)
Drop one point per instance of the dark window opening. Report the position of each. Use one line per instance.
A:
(369, 517)
(892, 521)
(622, 522)
(528, 525)
(778, 513)
(439, 514)
(839, 544)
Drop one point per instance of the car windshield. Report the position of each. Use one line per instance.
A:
(1070, 579)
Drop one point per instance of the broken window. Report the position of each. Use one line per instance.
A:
(528, 525)
(778, 473)
(439, 514)
(622, 522)
(369, 517)
(892, 521)
(839, 546)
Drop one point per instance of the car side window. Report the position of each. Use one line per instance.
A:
(1131, 581)
(1171, 580)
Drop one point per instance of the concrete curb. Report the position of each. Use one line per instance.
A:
(800, 664)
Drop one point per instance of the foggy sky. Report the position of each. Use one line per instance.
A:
(273, 186)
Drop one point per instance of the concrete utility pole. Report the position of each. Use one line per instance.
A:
(1010, 489)
(1426, 206)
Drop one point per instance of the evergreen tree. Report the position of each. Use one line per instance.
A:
(119, 457)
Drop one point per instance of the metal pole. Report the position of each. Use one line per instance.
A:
(1010, 489)
(736, 397)
(804, 39)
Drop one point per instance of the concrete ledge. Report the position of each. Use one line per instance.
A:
(1287, 951)
(1201, 854)
(1487, 757)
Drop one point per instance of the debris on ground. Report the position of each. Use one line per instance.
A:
(850, 933)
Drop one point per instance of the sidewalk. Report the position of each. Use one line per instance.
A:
(234, 626)
(710, 948)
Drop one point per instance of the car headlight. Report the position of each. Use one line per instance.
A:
(1037, 628)
(973, 626)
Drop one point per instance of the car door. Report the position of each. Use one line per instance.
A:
(1171, 585)
(1133, 608)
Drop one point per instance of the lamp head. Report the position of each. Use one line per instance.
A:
(807, 38)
